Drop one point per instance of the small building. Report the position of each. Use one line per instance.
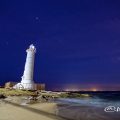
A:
(38, 86)
(10, 85)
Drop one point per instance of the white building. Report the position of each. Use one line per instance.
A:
(27, 81)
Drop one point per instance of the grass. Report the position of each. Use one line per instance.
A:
(8, 92)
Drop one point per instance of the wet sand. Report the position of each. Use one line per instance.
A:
(77, 112)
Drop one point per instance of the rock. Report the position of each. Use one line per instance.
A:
(2, 96)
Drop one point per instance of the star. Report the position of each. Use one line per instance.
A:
(37, 18)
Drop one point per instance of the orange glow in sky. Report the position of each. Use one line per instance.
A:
(94, 89)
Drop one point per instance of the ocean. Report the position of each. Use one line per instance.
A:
(98, 99)
(99, 106)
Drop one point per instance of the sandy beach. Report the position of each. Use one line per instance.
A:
(12, 110)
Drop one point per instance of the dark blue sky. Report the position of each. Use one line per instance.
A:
(77, 41)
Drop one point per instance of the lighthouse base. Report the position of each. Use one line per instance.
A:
(25, 86)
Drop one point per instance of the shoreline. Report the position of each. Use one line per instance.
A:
(62, 110)
(9, 110)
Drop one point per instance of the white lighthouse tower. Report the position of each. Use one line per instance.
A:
(27, 78)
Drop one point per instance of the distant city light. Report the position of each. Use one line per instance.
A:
(94, 89)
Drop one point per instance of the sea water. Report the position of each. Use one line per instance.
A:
(98, 99)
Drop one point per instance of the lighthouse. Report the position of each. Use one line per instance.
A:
(27, 81)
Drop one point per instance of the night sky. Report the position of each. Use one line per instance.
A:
(77, 42)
